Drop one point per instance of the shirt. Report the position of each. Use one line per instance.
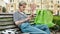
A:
(17, 16)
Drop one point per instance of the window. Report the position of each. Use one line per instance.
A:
(51, 6)
(11, 5)
(11, 0)
(37, 5)
(51, 1)
(11, 10)
(58, 2)
(58, 12)
(0, 9)
(58, 6)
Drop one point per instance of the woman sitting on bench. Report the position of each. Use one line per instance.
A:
(22, 21)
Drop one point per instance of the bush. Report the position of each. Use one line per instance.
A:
(56, 19)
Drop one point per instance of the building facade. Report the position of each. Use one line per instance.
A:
(11, 7)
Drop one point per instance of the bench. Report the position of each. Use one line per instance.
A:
(6, 22)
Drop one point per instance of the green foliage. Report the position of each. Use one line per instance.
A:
(4, 9)
(56, 19)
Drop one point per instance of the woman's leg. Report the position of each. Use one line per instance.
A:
(43, 27)
(27, 28)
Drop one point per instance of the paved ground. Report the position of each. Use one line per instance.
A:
(55, 33)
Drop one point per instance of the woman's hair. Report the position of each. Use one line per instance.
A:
(21, 3)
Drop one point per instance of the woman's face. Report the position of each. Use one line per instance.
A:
(22, 8)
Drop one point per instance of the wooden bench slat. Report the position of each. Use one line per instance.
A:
(5, 16)
(6, 23)
(6, 27)
(5, 13)
(6, 20)
(11, 28)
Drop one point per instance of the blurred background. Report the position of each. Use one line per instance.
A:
(10, 6)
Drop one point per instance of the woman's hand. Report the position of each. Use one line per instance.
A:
(30, 17)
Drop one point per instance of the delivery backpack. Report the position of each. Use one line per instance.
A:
(44, 17)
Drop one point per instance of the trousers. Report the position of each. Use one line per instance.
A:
(34, 29)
